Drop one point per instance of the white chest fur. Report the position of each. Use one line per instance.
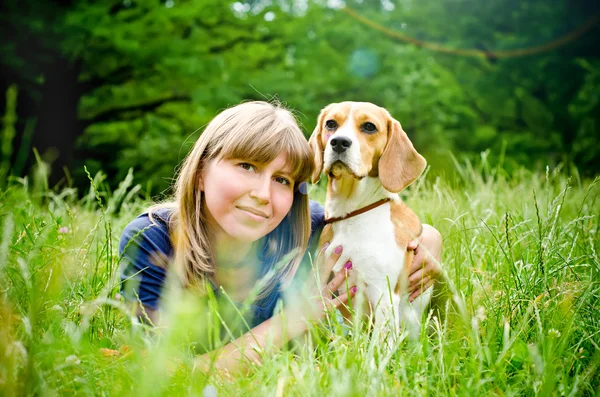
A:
(369, 242)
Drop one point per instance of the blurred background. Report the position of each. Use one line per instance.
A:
(120, 85)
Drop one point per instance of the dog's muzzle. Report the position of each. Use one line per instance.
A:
(340, 144)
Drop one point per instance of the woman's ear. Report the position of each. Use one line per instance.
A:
(203, 165)
(400, 164)
(316, 144)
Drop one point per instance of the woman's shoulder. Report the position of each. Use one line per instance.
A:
(317, 216)
(145, 252)
(149, 230)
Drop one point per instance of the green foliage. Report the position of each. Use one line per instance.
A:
(152, 74)
(521, 255)
(584, 108)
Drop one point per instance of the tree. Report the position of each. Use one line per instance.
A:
(131, 84)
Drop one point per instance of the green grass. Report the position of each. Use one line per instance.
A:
(521, 252)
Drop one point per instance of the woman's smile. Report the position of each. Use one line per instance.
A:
(257, 215)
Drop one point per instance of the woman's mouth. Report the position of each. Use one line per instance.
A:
(253, 213)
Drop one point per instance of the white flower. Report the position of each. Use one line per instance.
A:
(480, 314)
(554, 333)
(72, 360)
(209, 391)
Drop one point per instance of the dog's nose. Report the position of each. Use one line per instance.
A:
(340, 143)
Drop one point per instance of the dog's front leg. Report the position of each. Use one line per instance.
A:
(412, 313)
(386, 319)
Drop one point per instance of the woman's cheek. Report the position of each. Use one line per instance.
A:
(284, 200)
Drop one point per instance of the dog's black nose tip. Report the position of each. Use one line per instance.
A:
(340, 143)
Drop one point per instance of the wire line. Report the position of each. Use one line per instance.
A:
(587, 25)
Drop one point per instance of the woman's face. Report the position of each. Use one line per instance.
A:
(246, 200)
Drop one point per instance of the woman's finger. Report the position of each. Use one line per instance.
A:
(338, 280)
(343, 298)
(418, 284)
(416, 279)
(428, 264)
(414, 244)
(419, 291)
(345, 287)
(419, 261)
(325, 264)
(333, 258)
(319, 258)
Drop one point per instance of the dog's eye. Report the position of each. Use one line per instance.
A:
(331, 124)
(369, 127)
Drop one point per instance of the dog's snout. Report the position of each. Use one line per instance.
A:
(340, 143)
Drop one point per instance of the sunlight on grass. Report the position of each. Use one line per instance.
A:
(521, 252)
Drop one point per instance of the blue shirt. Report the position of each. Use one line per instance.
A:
(146, 251)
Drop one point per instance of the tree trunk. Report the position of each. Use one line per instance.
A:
(57, 126)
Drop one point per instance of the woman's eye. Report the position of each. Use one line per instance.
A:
(283, 181)
(247, 166)
(369, 127)
(331, 124)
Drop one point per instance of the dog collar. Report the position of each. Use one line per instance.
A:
(358, 211)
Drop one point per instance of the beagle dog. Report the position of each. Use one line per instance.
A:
(368, 160)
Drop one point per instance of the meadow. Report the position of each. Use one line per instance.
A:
(520, 251)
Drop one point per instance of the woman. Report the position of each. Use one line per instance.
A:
(241, 222)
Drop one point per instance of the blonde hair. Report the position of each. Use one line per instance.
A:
(253, 131)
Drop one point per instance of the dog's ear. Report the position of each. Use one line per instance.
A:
(400, 164)
(316, 144)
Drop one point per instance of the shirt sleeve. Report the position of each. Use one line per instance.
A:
(317, 218)
(145, 251)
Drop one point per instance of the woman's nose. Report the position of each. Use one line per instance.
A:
(262, 190)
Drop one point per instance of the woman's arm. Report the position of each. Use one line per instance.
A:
(144, 252)
(426, 269)
(279, 329)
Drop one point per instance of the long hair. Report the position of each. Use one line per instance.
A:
(253, 131)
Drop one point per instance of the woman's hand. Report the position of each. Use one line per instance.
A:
(425, 269)
(311, 305)
(321, 293)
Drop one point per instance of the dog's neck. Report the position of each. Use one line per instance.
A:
(348, 194)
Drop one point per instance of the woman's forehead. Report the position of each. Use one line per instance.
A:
(293, 154)
(280, 162)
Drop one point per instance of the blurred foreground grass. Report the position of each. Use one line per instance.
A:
(522, 254)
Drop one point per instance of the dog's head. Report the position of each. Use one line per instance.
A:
(359, 139)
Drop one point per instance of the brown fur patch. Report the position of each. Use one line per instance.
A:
(400, 164)
(326, 236)
(371, 145)
(407, 227)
